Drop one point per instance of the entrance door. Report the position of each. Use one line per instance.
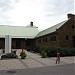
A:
(73, 41)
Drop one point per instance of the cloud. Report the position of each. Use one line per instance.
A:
(5, 7)
(26, 11)
(58, 7)
(56, 11)
(44, 13)
(4, 4)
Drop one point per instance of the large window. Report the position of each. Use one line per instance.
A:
(18, 43)
(53, 38)
(44, 39)
(39, 41)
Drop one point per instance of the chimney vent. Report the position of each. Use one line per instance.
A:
(71, 16)
(31, 23)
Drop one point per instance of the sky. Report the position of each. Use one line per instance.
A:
(43, 13)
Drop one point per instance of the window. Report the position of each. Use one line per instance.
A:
(39, 41)
(53, 38)
(67, 38)
(72, 26)
(44, 39)
(18, 43)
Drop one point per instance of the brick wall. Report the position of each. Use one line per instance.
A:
(48, 40)
(66, 33)
(64, 36)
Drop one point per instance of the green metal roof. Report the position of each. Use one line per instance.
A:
(51, 29)
(19, 31)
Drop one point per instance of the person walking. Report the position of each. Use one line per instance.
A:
(58, 58)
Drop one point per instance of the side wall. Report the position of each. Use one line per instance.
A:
(66, 34)
(50, 40)
(64, 37)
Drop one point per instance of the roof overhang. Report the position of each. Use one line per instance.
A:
(26, 37)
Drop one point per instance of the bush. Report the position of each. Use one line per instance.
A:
(23, 55)
(43, 54)
(51, 52)
(9, 55)
(33, 49)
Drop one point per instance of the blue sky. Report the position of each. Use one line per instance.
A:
(44, 13)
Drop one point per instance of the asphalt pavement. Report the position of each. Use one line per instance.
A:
(67, 69)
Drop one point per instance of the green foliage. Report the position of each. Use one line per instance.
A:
(9, 55)
(43, 54)
(51, 52)
(23, 55)
(33, 49)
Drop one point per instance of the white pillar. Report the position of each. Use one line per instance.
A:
(7, 44)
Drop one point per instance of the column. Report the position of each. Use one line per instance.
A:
(7, 44)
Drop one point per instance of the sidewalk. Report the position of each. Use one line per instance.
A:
(33, 61)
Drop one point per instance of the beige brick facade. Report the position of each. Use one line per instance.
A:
(64, 36)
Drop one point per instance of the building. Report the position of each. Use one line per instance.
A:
(21, 37)
(59, 35)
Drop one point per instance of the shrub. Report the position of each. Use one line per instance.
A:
(43, 54)
(23, 55)
(51, 52)
(9, 55)
(33, 49)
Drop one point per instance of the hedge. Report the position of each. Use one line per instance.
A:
(51, 52)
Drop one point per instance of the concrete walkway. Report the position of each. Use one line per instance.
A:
(33, 61)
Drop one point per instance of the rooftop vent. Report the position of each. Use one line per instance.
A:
(31, 23)
(71, 16)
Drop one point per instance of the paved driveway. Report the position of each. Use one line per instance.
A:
(33, 61)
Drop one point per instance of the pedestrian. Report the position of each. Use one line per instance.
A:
(58, 58)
